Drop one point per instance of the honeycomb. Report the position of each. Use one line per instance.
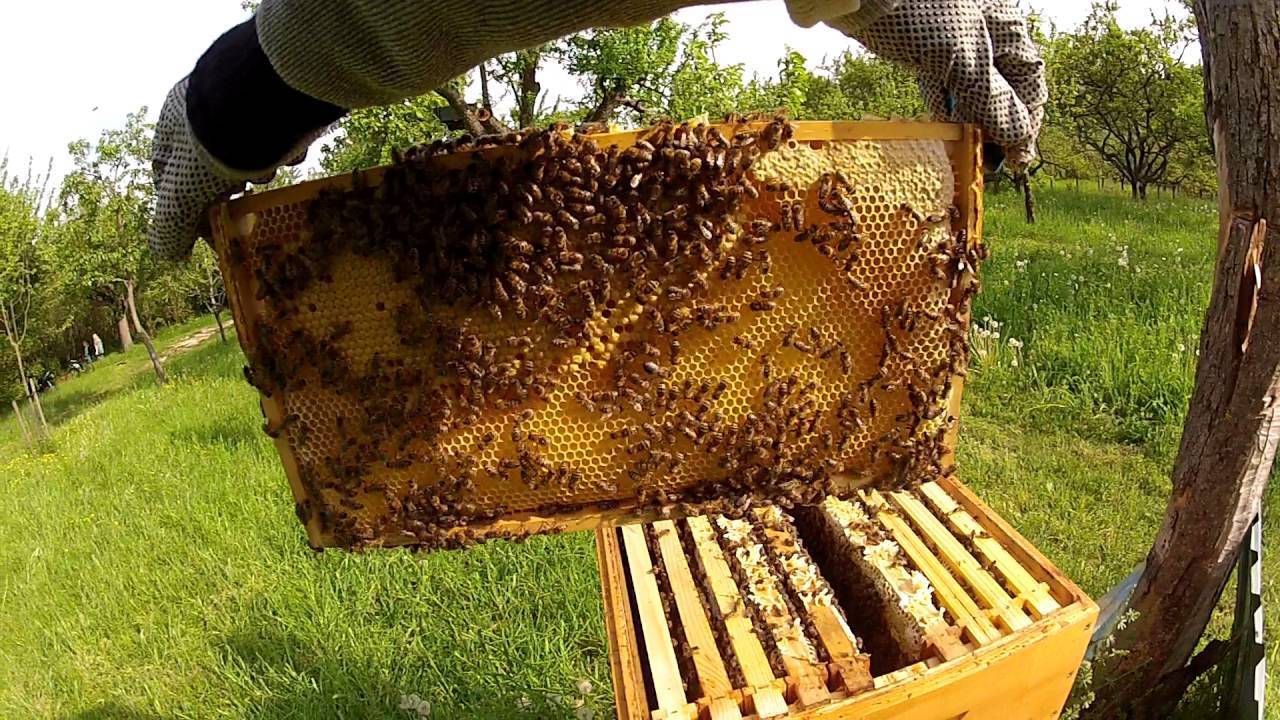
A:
(547, 330)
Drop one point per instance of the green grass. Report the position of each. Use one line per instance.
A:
(151, 565)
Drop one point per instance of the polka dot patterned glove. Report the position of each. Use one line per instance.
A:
(188, 180)
(975, 60)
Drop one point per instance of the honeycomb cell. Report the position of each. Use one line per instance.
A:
(795, 359)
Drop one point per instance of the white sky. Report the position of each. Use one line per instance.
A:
(74, 67)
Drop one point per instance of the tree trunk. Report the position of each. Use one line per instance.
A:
(126, 338)
(22, 368)
(22, 425)
(1028, 199)
(9, 320)
(459, 105)
(485, 100)
(217, 317)
(530, 88)
(1233, 424)
(142, 332)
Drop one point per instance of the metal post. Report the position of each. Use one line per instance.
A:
(1249, 681)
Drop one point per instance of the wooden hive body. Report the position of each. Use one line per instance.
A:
(997, 632)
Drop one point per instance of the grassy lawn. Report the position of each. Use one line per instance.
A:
(151, 565)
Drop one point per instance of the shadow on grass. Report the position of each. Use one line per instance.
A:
(303, 680)
(63, 403)
(231, 433)
(113, 711)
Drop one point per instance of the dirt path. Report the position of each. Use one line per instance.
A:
(193, 340)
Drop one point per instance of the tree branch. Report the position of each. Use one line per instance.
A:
(459, 105)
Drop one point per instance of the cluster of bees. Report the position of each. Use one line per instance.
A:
(774, 612)
(871, 571)
(548, 232)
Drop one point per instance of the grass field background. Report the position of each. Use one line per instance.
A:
(151, 565)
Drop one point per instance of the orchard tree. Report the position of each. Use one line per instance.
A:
(623, 71)
(204, 286)
(21, 292)
(367, 136)
(106, 203)
(1127, 96)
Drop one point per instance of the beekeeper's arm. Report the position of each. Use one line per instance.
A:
(269, 87)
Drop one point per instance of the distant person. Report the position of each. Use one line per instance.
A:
(98, 349)
(88, 355)
(265, 90)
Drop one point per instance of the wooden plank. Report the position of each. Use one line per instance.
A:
(950, 592)
(966, 158)
(1060, 586)
(712, 675)
(990, 592)
(797, 657)
(1035, 594)
(663, 668)
(768, 701)
(724, 708)
(1024, 676)
(901, 674)
(624, 650)
(853, 667)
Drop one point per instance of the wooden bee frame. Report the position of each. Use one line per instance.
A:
(507, 507)
(1014, 633)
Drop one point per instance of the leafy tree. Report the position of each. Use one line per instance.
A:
(665, 68)
(21, 268)
(871, 86)
(106, 205)
(623, 71)
(699, 84)
(368, 135)
(204, 285)
(1126, 96)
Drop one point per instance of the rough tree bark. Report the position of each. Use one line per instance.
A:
(1232, 425)
(132, 307)
(126, 337)
(459, 105)
(530, 88)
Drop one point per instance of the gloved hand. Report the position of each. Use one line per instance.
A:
(975, 60)
(188, 180)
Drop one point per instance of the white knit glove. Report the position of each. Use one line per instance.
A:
(975, 60)
(188, 180)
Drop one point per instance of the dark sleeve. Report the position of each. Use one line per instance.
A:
(240, 109)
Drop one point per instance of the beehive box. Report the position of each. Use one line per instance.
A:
(551, 331)
(915, 605)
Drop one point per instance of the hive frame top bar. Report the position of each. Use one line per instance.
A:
(238, 217)
(806, 130)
